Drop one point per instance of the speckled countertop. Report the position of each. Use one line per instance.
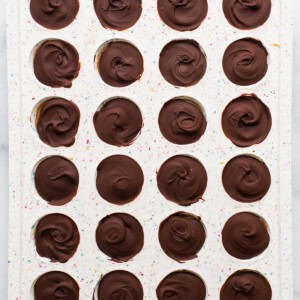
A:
(4, 155)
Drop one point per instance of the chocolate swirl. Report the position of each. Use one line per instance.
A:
(246, 285)
(245, 61)
(182, 15)
(120, 285)
(56, 180)
(181, 285)
(182, 179)
(181, 121)
(56, 285)
(56, 237)
(56, 63)
(246, 121)
(246, 179)
(182, 63)
(247, 14)
(118, 122)
(57, 122)
(54, 14)
(118, 15)
(245, 235)
(119, 179)
(120, 64)
(120, 236)
(181, 236)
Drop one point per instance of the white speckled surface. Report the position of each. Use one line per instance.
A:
(213, 172)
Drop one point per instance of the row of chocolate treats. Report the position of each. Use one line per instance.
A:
(181, 15)
(118, 121)
(64, 286)
(182, 63)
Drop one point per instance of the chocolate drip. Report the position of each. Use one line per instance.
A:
(57, 122)
(246, 179)
(56, 63)
(119, 179)
(246, 121)
(181, 121)
(120, 236)
(245, 235)
(182, 15)
(182, 63)
(120, 64)
(181, 236)
(56, 180)
(182, 179)
(54, 14)
(245, 61)
(246, 285)
(56, 237)
(118, 122)
(118, 15)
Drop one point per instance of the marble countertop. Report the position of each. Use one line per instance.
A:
(4, 155)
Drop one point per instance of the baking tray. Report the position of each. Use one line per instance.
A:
(150, 150)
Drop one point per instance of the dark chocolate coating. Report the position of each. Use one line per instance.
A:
(182, 179)
(245, 61)
(246, 120)
(118, 122)
(182, 63)
(56, 237)
(119, 285)
(119, 179)
(181, 121)
(181, 236)
(56, 63)
(57, 122)
(120, 236)
(54, 14)
(246, 179)
(245, 14)
(120, 64)
(182, 15)
(245, 235)
(181, 285)
(56, 285)
(56, 180)
(118, 15)
(246, 285)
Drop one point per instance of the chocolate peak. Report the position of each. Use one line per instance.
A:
(181, 285)
(120, 63)
(119, 179)
(118, 15)
(246, 179)
(57, 122)
(118, 122)
(182, 179)
(56, 285)
(247, 14)
(54, 14)
(56, 63)
(120, 236)
(182, 15)
(56, 180)
(245, 235)
(120, 285)
(246, 285)
(245, 61)
(246, 121)
(181, 121)
(182, 63)
(181, 236)
(56, 237)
